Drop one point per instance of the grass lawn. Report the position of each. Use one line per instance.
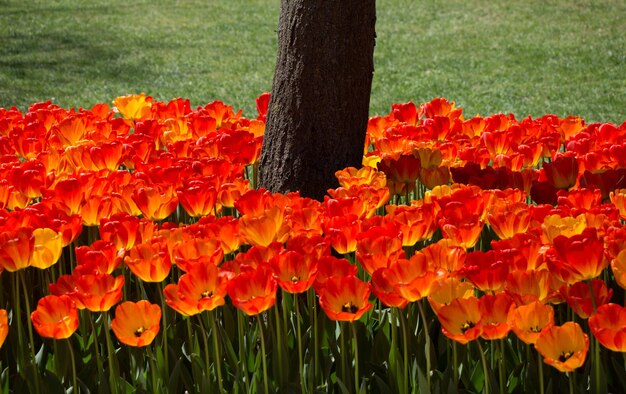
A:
(531, 57)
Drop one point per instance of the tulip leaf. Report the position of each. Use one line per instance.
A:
(421, 380)
(618, 372)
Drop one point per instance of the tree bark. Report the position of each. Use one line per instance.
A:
(319, 104)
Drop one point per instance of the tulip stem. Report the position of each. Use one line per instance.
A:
(165, 330)
(205, 334)
(96, 346)
(312, 304)
(279, 335)
(356, 357)
(111, 351)
(342, 350)
(596, 346)
(540, 366)
(242, 356)
(18, 316)
(216, 345)
(485, 369)
(405, 346)
(154, 372)
(263, 355)
(570, 379)
(30, 328)
(455, 363)
(299, 336)
(73, 362)
(502, 367)
(427, 340)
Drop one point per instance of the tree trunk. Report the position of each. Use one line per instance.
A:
(319, 104)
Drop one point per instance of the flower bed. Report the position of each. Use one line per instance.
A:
(136, 252)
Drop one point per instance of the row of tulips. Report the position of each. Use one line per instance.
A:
(143, 221)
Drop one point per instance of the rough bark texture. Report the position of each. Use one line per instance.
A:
(319, 105)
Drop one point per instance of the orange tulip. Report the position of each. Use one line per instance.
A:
(400, 168)
(460, 320)
(416, 223)
(294, 272)
(150, 261)
(4, 326)
(329, 266)
(414, 277)
(198, 197)
(258, 255)
(95, 209)
(100, 257)
(344, 205)
(383, 284)
(30, 178)
(446, 289)
(70, 195)
(122, 229)
(581, 199)
(345, 298)
(445, 256)
(266, 228)
(528, 286)
(134, 106)
(580, 299)
(366, 175)
(577, 258)
(618, 198)
(225, 229)
(16, 248)
(461, 224)
(342, 232)
(184, 306)
(564, 347)
(230, 192)
(193, 250)
(47, 248)
(618, 266)
(487, 270)
(524, 250)
(305, 217)
(98, 292)
(528, 320)
(570, 126)
(608, 325)
(156, 202)
(508, 219)
(66, 285)
(555, 225)
(202, 288)
(379, 246)
(55, 317)
(494, 311)
(136, 323)
(253, 291)
(562, 173)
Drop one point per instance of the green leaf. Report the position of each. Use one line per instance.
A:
(477, 378)
(342, 386)
(421, 379)
(396, 368)
(618, 372)
(180, 373)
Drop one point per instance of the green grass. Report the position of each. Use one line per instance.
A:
(531, 57)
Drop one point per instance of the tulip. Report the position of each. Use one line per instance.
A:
(55, 317)
(345, 298)
(564, 347)
(136, 323)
